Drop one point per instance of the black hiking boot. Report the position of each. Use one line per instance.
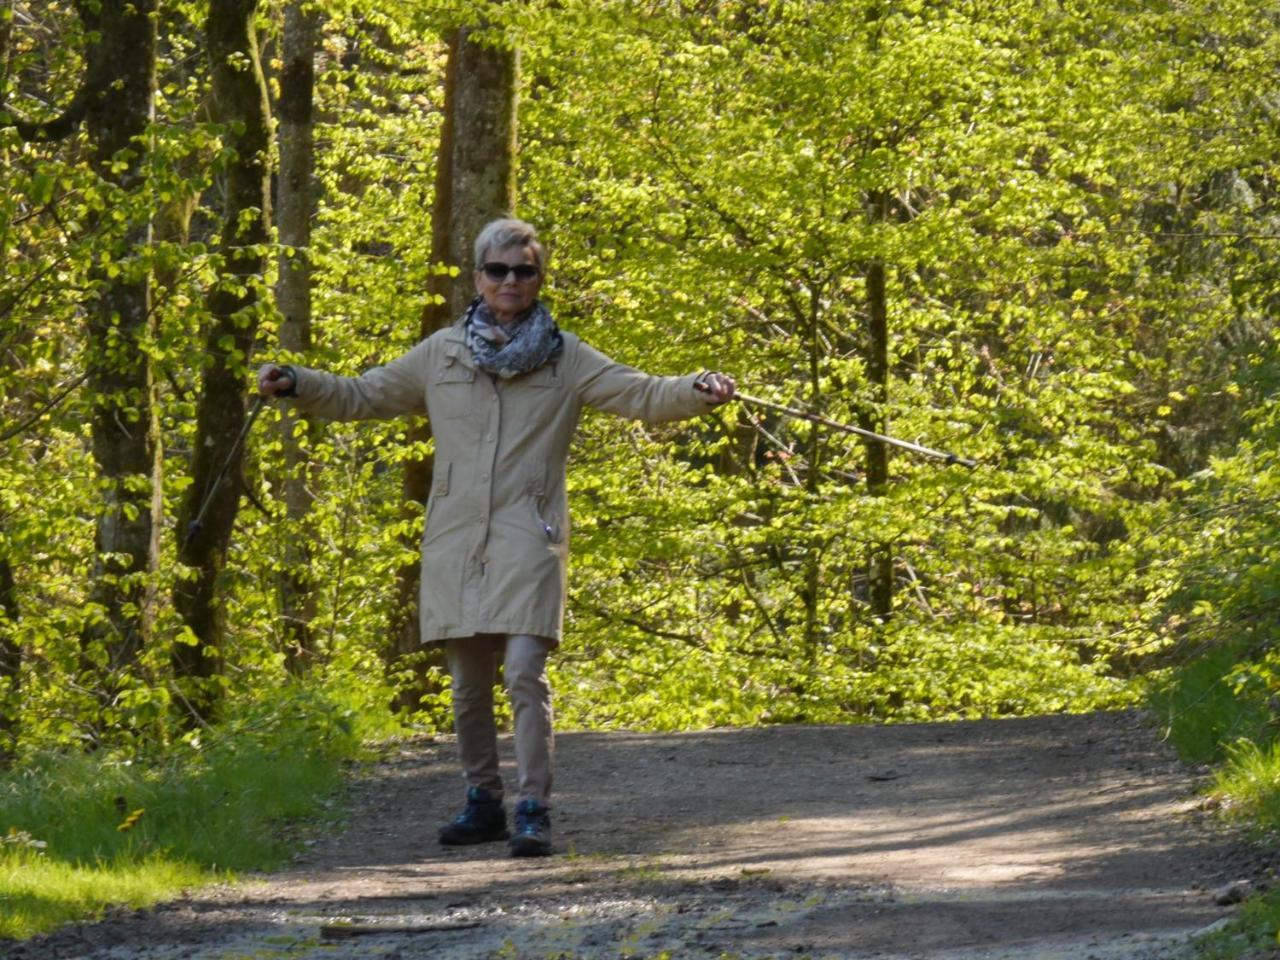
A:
(483, 820)
(533, 830)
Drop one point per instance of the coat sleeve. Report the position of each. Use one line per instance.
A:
(616, 388)
(377, 394)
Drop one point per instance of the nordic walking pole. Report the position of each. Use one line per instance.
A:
(194, 527)
(848, 428)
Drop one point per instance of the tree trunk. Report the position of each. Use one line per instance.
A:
(239, 103)
(811, 590)
(294, 204)
(874, 414)
(475, 182)
(123, 425)
(880, 560)
(10, 664)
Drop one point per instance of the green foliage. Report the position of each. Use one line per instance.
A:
(895, 675)
(1074, 208)
(1202, 710)
(86, 830)
(1223, 589)
(721, 194)
(1253, 932)
(1212, 548)
(215, 798)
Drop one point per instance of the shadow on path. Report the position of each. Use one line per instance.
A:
(1048, 837)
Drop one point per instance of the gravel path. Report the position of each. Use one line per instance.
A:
(1046, 838)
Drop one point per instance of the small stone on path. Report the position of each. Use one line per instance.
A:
(1232, 892)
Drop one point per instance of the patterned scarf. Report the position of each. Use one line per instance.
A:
(507, 351)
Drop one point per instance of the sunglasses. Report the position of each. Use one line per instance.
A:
(497, 272)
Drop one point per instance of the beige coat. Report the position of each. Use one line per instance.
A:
(495, 547)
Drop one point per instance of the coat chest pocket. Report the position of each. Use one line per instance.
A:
(451, 391)
(536, 397)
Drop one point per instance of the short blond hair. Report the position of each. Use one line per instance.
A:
(509, 232)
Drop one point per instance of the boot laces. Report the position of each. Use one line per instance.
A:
(530, 818)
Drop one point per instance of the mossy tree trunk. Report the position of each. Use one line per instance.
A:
(119, 324)
(239, 103)
(475, 182)
(811, 589)
(294, 207)
(115, 102)
(872, 417)
(10, 663)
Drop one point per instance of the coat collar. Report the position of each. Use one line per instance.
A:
(456, 349)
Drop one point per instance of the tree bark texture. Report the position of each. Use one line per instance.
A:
(481, 181)
(475, 183)
(239, 103)
(123, 424)
(294, 205)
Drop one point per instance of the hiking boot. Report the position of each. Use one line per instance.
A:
(482, 821)
(533, 830)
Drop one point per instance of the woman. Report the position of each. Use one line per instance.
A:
(503, 389)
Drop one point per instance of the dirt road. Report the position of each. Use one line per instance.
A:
(1050, 838)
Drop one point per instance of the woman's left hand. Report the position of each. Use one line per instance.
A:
(716, 388)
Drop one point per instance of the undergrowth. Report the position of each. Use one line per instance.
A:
(1214, 712)
(85, 831)
(1208, 704)
(1218, 708)
(1255, 932)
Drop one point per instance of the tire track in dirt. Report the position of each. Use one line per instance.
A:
(1043, 838)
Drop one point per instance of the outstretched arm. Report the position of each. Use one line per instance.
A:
(378, 394)
(616, 388)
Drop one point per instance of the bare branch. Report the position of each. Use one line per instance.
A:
(35, 417)
(93, 85)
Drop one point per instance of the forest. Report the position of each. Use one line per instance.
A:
(1038, 234)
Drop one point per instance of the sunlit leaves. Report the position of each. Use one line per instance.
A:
(1076, 206)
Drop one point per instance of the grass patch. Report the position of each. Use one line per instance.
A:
(1217, 709)
(85, 831)
(1249, 784)
(38, 894)
(1204, 708)
(1253, 932)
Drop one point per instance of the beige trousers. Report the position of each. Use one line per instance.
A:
(473, 669)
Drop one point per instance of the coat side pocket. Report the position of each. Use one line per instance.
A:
(535, 489)
(440, 473)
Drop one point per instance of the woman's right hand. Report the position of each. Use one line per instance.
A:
(274, 381)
